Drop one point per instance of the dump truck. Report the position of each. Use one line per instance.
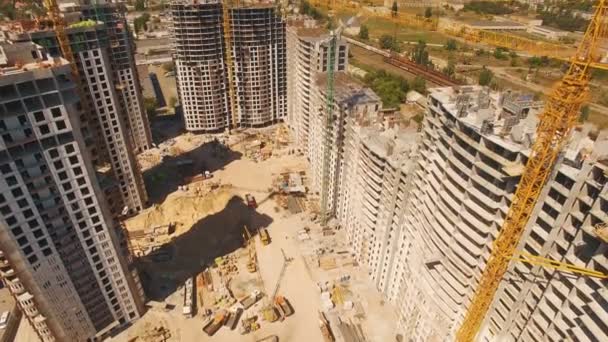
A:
(251, 299)
(270, 313)
(248, 325)
(251, 203)
(213, 325)
(264, 236)
(284, 306)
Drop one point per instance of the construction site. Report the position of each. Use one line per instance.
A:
(354, 222)
(236, 250)
(284, 199)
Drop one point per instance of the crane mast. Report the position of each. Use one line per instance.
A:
(226, 7)
(327, 142)
(555, 123)
(62, 37)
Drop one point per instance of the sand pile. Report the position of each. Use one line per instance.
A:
(183, 208)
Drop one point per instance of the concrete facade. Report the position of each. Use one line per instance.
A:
(469, 159)
(351, 98)
(307, 55)
(260, 65)
(60, 256)
(259, 60)
(108, 130)
(200, 65)
(421, 211)
(122, 56)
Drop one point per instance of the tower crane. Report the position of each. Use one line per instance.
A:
(555, 124)
(329, 105)
(59, 26)
(226, 7)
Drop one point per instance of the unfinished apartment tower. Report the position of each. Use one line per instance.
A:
(107, 129)
(122, 55)
(60, 257)
(307, 55)
(258, 61)
(424, 223)
(351, 98)
(201, 74)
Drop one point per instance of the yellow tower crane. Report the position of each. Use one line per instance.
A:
(62, 38)
(555, 123)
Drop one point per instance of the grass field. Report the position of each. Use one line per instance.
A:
(378, 27)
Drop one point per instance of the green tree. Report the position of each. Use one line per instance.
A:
(150, 104)
(391, 88)
(140, 5)
(307, 9)
(450, 69)
(419, 85)
(364, 33)
(394, 9)
(141, 22)
(480, 52)
(489, 7)
(485, 76)
(428, 13)
(499, 53)
(451, 45)
(389, 42)
(420, 55)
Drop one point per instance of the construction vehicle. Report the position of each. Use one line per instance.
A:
(248, 325)
(251, 299)
(555, 124)
(264, 236)
(270, 313)
(213, 325)
(250, 200)
(284, 306)
(233, 318)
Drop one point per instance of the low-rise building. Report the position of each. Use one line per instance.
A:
(548, 32)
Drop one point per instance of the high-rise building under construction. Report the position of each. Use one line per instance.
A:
(60, 257)
(116, 128)
(257, 62)
(307, 55)
(422, 217)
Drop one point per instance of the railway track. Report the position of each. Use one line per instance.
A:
(431, 75)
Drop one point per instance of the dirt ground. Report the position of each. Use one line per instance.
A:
(216, 219)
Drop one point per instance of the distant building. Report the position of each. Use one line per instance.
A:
(259, 60)
(548, 32)
(491, 25)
